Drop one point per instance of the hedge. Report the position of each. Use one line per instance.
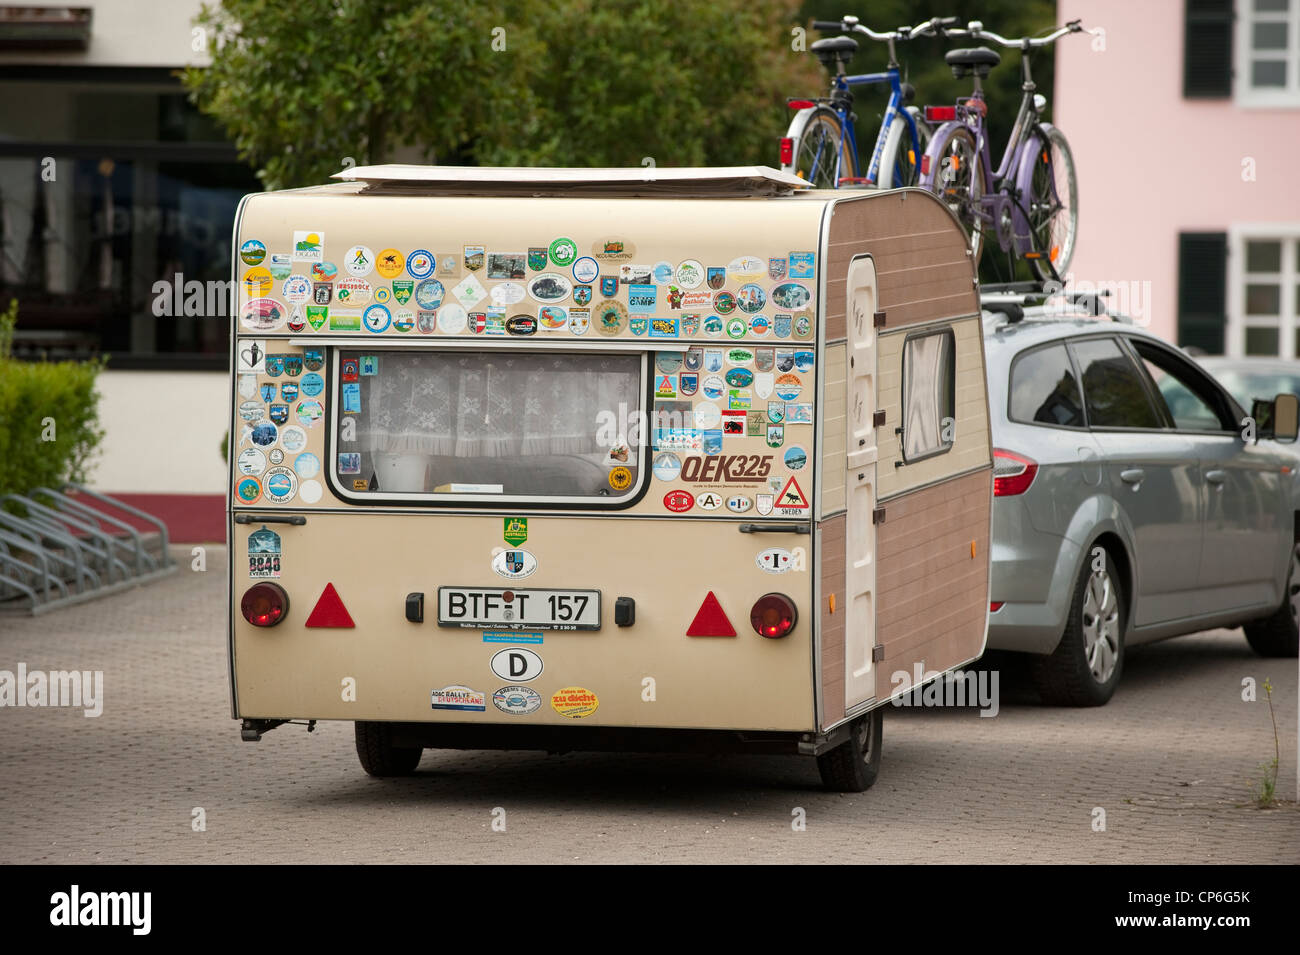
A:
(49, 417)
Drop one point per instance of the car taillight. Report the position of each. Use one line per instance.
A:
(773, 615)
(995, 605)
(940, 114)
(264, 604)
(787, 150)
(1012, 473)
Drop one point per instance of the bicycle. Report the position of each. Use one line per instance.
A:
(821, 145)
(1030, 202)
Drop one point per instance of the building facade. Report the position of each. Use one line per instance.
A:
(1184, 121)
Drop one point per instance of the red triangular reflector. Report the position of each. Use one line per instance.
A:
(711, 620)
(329, 611)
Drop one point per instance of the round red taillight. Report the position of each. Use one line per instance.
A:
(773, 615)
(264, 604)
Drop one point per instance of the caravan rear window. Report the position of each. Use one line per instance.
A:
(486, 426)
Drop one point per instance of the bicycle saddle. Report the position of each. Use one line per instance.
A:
(835, 48)
(977, 56)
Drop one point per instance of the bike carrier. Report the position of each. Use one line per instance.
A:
(1011, 298)
(57, 548)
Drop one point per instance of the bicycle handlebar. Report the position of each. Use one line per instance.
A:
(850, 24)
(976, 29)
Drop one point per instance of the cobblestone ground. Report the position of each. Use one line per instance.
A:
(1170, 760)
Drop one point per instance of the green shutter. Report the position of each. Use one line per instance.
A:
(1207, 49)
(1202, 290)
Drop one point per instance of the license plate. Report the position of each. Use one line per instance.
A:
(487, 607)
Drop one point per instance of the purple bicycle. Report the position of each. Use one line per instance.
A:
(1030, 202)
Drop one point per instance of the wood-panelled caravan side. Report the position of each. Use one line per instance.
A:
(931, 516)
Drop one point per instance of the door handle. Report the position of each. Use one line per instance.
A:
(775, 528)
(1132, 475)
(1216, 477)
(296, 519)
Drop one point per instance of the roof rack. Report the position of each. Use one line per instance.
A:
(1010, 299)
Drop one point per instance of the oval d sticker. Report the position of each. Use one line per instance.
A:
(517, 664)
(514, 564)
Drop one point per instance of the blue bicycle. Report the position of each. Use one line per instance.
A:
(821, 144)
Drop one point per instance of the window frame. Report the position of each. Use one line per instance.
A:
(1061, 343)
(949, 333)
(1288, 318)
(1223, 401)
(473, 502)
(1247, 95)
(1143, 379)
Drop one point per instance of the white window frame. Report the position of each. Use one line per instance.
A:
(1288, 319)
(1243, 55)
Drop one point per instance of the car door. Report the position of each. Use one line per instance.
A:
(1248, 524)
(1154, 476)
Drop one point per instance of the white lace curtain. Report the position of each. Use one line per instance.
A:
(475, 404)
(925, 380)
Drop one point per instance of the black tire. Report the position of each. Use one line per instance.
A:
(852, 767)
(1084, 670)
(959, 182)
(378, 755)
(817, 155)
(1053, 218)
(1278, 635)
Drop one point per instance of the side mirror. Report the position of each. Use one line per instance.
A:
(1286, 417)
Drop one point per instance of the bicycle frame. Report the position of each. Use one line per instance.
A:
(841, 101)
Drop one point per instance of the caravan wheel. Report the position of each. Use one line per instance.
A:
(378, 755)
(853, 766)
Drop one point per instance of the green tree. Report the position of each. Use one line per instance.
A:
(299, 86)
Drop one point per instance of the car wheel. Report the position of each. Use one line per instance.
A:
(1086, 666)
(378, 755)
(1279, 635)
(853, 766)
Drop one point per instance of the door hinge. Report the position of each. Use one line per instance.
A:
(878, 319)
(878, 419)
(878, 653)
(878, 516)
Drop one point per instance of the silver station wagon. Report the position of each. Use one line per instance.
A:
(1134, 500)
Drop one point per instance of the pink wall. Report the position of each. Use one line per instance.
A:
(1152, 164)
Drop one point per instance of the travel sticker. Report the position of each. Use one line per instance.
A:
(506, 265)
(792, 296)
(279, 485)
(308, 246)
(679, 502)
(419, 264)
(746, 267)
(802, 265)
(251, 461)
(257, 282)
(724, 303)
(788, 387)
(248, 490)
(515, 530)
(429, 293)
(751, 298)
(666, 466)
(774, 560)
(549, 287)
(390, 264)
(262, 315)
(552, 317)
(452, 319)
(579, 320)
(280, 266)
(537, 259)
(791, 502)
(377, 318)
(689, 274)
(641, 299)
(563, 252)
(795, 457)
(324, 271)
(293, 438)
(586, 270)
(508, 293)
(252, 357)
(359, 260)
(296, 289)
(517, 700)
(620, 479)
(252, 252)
(610, 318)
(574, 702)
(473, 257)
(776, 269)
(798, 414)
(458, 697)
(514, 565)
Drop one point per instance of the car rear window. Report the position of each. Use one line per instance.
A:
(1044, 389)
(486, 426)
(1112, 386)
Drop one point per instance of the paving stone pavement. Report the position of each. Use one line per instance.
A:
(1169, 759)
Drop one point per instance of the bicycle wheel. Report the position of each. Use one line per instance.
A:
(900, 165)
(817, 154)
(1052, 210)
(958, 180)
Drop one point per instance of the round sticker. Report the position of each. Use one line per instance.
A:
(309, 412)
(419, 264)
(262, 315)
(252, 252)
(264, 434)
(610, 318)
(620, 479)
(383, 294)
(251, 461)
(724, 303)
(712, 387)
(248, 489)
(296, 289)
(690, 274)
(760, 326)
(679, 502)
(258, 282)
(788, 387)
(795, 457)
(312, 384)
(667, 466)
(429, 294)
(390, 264)
(352, 292)
(360, 261)
(377, 318)
(452, 319)
(276, 456)
(574, 702)
(662, 273)
(669, 362)
(310, 492)
(308, 465)
(707, 415)
(563, 253)
(294, 439)
(280, 485)
(736, 327)
(586, 270)
(549, 287)
(751, 298)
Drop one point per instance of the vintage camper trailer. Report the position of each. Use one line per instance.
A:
(603, 459)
